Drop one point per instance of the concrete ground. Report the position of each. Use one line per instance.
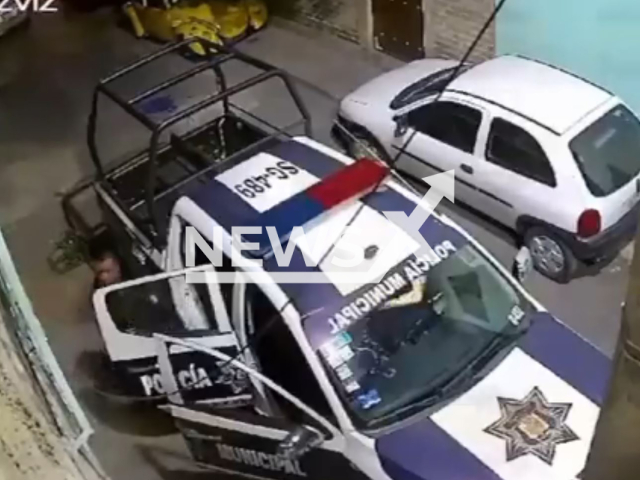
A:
(46, 80)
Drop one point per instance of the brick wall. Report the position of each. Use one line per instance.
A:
(451, 26)
(338, 16)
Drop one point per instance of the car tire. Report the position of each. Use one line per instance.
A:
(364, 145)
(551, 257)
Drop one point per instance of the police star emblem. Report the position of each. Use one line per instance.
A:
(532, 426)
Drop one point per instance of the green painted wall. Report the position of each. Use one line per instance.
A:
(597, 39)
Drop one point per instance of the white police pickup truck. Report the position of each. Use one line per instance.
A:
(359, 337)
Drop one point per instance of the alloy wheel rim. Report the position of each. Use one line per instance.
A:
(547, 254)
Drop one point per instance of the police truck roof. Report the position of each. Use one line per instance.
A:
(302, 183)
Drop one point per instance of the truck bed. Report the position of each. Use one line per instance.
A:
(143, 189)
(179, 165)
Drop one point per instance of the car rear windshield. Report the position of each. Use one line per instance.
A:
(608, 151)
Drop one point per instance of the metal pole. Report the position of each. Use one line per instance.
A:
(615, 451)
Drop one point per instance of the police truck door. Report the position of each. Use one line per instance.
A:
(250, 443)
(130, 313)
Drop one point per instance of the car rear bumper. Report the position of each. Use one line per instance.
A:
(608, 242)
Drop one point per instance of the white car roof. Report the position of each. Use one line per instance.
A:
(547, 95)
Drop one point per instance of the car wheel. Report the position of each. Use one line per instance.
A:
(550, 256)
(363, 145)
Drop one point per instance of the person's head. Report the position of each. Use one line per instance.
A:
(106, 268)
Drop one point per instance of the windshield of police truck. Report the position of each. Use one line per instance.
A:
(608, 151)
(420, 339)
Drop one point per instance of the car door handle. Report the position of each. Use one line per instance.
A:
(466, 168)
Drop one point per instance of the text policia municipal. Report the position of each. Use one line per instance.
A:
(259, 459)
(387, 288)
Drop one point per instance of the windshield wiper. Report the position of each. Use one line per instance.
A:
(461, 379)
(459, 382)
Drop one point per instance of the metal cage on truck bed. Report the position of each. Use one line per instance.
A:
(145, 186)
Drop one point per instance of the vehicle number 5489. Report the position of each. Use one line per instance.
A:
(255, 185)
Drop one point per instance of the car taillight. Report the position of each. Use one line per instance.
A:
(589, 223)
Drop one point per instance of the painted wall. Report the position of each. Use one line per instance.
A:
(597, 39)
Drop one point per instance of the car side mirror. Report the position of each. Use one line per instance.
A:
(298, 442)
(522, 264)
(402, 125)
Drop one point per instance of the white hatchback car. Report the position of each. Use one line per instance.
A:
(536, 148)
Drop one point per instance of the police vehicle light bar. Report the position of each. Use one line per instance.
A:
(353, 181)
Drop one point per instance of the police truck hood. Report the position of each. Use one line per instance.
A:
(531, 418)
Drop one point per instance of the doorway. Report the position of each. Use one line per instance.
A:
(398, 28)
